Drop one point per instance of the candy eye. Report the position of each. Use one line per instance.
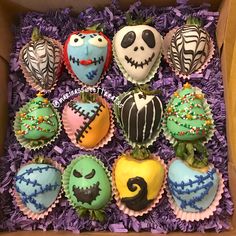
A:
(149, 38)
(128, 39)
(76, 40)
(77, 174)
(90, 175)
(98, 41)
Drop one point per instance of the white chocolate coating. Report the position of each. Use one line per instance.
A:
(141, 51)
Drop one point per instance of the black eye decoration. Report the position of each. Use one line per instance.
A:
(90, 175)
(128, 39)
(149, 38)
(77, 174)
(81, 35)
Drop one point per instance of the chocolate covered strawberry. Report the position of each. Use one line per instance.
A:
(139, 181)
(189, 48)
(87, 55)
(37, 187)
(137, 51)
(139, 114)
(41, 61)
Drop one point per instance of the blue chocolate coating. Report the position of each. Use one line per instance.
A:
(87, 47)
(38, 186)
(192, 190)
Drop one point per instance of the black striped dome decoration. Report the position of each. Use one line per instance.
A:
(140, 116)
(189, 48)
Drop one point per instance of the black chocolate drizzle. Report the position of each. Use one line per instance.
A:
(185, 60)
(44, 69)
(137, 64)
(140, 201)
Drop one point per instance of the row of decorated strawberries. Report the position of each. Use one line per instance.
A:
(137, 50)
(138, 177)
(89, 186)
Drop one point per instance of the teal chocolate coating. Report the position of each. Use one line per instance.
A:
(192, 190)
(38, 186)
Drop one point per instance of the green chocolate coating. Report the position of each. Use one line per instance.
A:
(31, 124)
(182, 107)
(89, 185)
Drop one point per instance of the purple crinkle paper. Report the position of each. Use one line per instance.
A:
(59, 24)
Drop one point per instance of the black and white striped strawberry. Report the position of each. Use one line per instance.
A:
(189, 47)
(41, 61)
(139, 115)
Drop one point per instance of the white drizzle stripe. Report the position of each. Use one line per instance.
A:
(137, 124)
(129, 120)
(145, 125)
(122, 109)
(153, 120)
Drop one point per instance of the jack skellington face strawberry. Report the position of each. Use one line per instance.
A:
(137, 51)
(87, 55)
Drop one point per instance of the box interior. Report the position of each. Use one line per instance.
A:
(226, 34)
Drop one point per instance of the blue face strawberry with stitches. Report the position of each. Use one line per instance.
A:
(87, 55)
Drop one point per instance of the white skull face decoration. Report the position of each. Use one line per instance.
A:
(137, 51)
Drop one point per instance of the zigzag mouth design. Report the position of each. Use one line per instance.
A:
(87, 195)
(137, 64)
(95, 61)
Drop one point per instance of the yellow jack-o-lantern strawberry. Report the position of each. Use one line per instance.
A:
(138, 182)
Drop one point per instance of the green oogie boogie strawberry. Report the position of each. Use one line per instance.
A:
(87, 186)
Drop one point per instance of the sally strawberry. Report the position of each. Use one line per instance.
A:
(87, 55)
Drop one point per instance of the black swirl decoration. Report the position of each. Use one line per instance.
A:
(139, 201)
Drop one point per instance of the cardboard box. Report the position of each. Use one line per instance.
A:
(226, 34)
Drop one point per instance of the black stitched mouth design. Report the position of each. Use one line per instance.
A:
(136, 64)
(87, 195)
(95, 60)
